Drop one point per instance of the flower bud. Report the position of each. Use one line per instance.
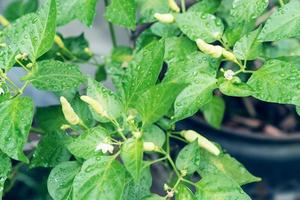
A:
(229, 56)
(4, 21)
(150, 146)
(59, 42)
(29, 65)
(137, 134)
(173, 5)
(191, 136)
(65, 127)
(96, 106)
(214, 51)
(68, 111)
(229, 74)
(165, 18)
(88, 51)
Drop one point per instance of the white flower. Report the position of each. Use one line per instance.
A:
(170, 194)
(1, 91)
(104, 147)
(229, 74)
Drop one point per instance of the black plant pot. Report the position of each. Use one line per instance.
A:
(275, 160)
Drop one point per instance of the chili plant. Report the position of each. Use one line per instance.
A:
(102, 142)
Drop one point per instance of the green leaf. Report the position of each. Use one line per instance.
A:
(5, 168)
(100, 178)
(226, 165)
(137, 190)
(284, 23)
(14, 132)
(143, 71)
(277, 81)
(83, 111)
(206, 6)
(18, 8)
(51, 150)
(214, 111)
(38, 36)
(193, 97)
(69, 10)
(54, 75)
(248, 48)
(85, 145)
(236, 31)
(132, 157)
(153, 197)
(157, 100)
(77, 46)
(153, 133)
(247, 10)
(108, 100)
(219, 187)
(148, 8)
(122, 12)
(189, 158)
(183, 192)
(50, 118)
(60, 181)
(178, 49)
(164, 30)
(282, 48)
(240, 89)
(200, 25)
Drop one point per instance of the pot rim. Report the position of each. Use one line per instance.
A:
(259, 136)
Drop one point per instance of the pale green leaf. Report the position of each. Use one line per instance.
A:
(60, 181)
(54, 75)
(153, 197)
(143, 71)
(5, 168)
(277, 81)
(206, 6)
(219, 187)
(122, 12)
(164, 30)
(69, 10)
(100, 178)
(153, 133)
(189, 158)
(200, 25)
(240, 89)
(247, 10)
(184, 193)
(147, 9)
(284, 23)
(15, 122)
(214, 111)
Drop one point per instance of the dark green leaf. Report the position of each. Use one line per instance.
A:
(85, 145)
(189, 158)
(200, 25)
(214, 111)
(122, 12)
(18, 8)
(165, 30)
(60, 181)
(77, 46)
(14, 132)
(51, 150)
(100, 178)
(5, 168)
(157, 100)
(83, 111)
(54, 75)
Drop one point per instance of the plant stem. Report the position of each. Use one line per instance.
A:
(178, 138)
(183, 5)
(37, 130)
(111, 29)
(155, 161)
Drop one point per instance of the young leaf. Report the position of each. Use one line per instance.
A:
(50, 118)
(54, 75)
(60, 181)
(247, 10)
(200, 25)
(122, 12)
(248, 48)
(137, 190)
(153, 133)
(157, 100)
(85, 145)
(132, 157)
(219, 187)
(51, 150)
(5, 168)
(214, 111)
(14, 132)
(143, 71)
(69, 10)
(183, 192)
(193, 97)
(107, 99)
(226, 165)
(100, 178)
(284, 23)
(189, 158)
(276, 81)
